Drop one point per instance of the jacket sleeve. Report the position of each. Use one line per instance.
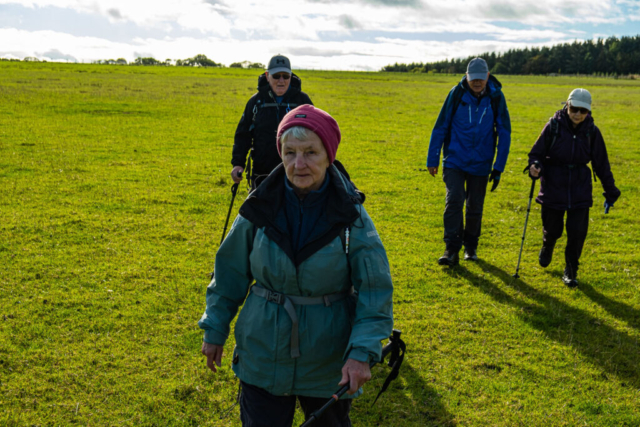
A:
(538, 151)
(503, 126)
(230, 284)
(440, 131)
(602, 168)
(371, 278)
(244, 135)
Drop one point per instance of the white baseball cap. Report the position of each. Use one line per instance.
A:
(580, 98)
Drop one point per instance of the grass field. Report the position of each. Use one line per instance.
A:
(114, 187)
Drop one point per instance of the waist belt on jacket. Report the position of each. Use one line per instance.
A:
(287, 301)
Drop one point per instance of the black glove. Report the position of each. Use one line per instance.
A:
(495, 177)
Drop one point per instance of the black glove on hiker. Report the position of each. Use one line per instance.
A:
(495, 177)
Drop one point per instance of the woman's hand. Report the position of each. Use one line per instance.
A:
(534, 171)
(236, 174)
(355, 374)
(213, 353)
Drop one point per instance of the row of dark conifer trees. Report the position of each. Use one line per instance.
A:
(611, 56)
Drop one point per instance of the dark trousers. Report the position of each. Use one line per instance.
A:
(577, 227)
(259, 408)
(463, 188)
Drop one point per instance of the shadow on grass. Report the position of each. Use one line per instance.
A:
(410, 401)
(615, 308)
(614, 351)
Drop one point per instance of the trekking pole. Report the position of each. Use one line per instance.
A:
(234, 190)
(533, 185)
(394, 346)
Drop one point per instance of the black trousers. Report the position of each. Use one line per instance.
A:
(463, 188)
(259, 408)
(577, 227)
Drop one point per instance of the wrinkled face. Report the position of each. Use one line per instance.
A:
(577, 115)
(279, 85)
(305, 163)
(477, 86)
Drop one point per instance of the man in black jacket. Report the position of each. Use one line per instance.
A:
(278, 93)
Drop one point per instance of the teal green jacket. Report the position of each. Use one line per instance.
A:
(258, 249)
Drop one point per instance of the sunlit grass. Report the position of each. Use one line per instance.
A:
(114, 187)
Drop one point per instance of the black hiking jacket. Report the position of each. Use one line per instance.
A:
(263, 128)
(565, 178)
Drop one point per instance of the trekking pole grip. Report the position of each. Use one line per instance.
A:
(392, 347)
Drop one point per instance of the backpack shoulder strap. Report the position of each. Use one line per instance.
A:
(552, 136)
(253, 118)
(457, 99)
(590, 132)
(344, 238)
(495, 106)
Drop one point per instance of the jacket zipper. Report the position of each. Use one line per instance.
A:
(483, 113)
(573, 145)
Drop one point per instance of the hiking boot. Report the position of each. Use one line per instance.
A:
(570, 278)
(546, 255)
(449, 258)
(470, 254)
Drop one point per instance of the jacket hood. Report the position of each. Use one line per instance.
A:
(263, 83)
(493, 84)
(562, 116)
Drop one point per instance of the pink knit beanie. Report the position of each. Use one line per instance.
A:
(316, 120)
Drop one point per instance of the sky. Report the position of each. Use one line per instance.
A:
(361, 35)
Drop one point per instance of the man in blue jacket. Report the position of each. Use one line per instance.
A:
(473, 122)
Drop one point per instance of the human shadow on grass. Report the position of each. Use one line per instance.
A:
(615, 308)
(614, 351)
(413, 395)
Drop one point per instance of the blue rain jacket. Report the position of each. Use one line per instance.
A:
(467, 139)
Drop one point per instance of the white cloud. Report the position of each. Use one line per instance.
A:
(339, 34)
(189, 14)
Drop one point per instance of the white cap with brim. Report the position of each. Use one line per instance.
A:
(279, 64)
(580, 98)
(477, 69)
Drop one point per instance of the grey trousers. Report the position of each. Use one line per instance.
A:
(463, 188)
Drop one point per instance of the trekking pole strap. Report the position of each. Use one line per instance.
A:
(288, 301)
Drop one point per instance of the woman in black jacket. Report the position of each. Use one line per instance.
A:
(568, 142)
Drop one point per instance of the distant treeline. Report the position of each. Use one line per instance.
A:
(196, 61)
(611, 56)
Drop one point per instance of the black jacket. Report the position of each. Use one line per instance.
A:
(565, 180)
(262, 130)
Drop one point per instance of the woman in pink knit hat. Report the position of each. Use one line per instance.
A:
(322, 298)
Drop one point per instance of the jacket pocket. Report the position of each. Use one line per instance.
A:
(256, 333)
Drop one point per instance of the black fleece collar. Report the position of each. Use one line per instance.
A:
(264, 205)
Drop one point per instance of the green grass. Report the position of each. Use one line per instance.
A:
(114, 187)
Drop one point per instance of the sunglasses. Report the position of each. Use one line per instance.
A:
(575, 110)
(281, 76)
